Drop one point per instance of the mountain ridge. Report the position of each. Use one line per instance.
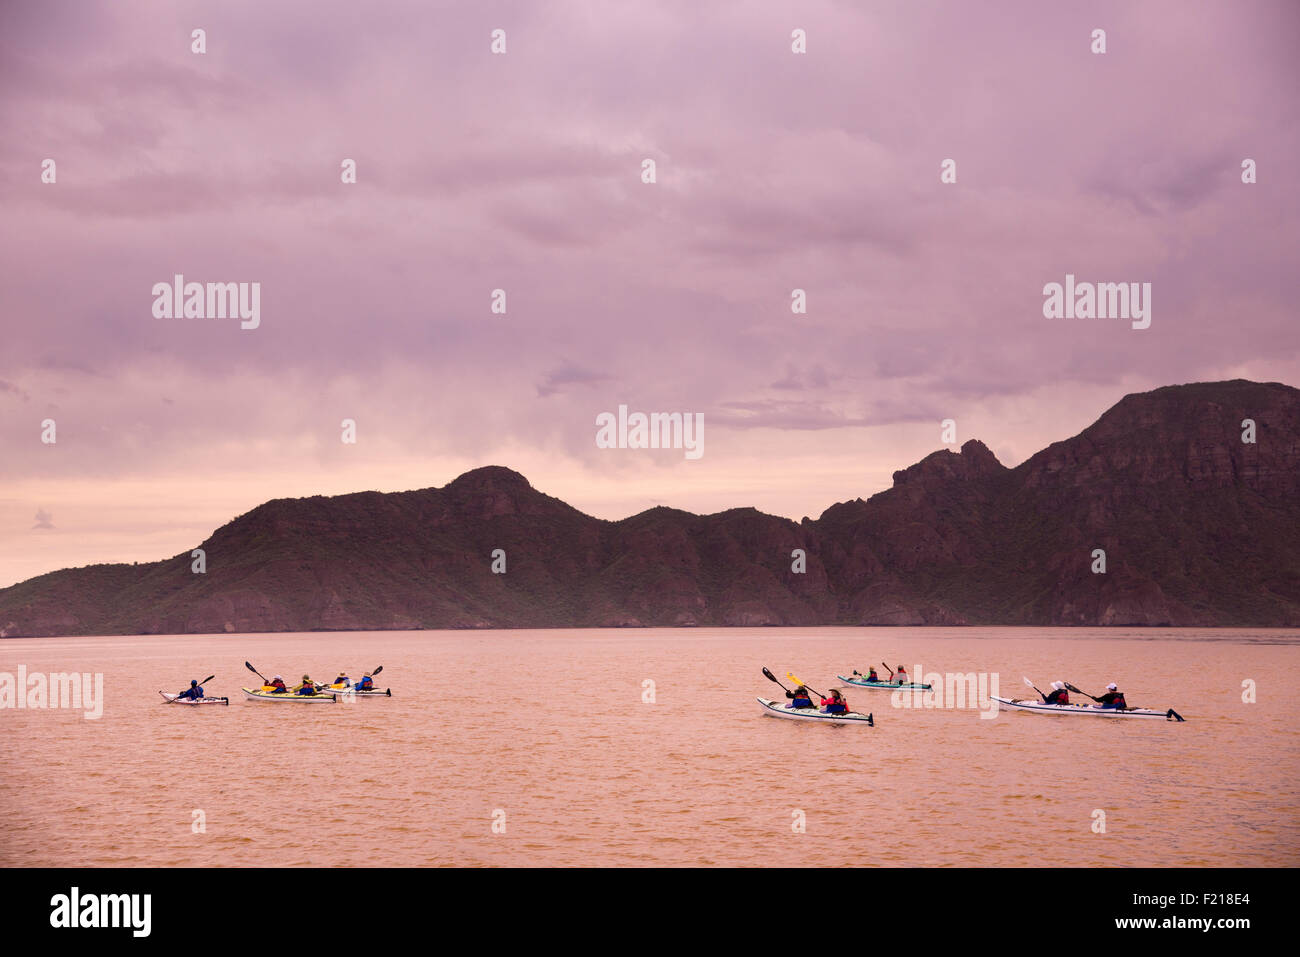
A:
(1199, 528)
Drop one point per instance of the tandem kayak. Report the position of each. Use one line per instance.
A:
(285, 696)
(175, 699)
(814, 714)
(354, 693)
(888, 685)
(1096, 710)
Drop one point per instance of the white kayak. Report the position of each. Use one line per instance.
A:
(176, 699)
(1096, 710)
(357, 693)
(814, 714)
(861, 682)
(287, 696)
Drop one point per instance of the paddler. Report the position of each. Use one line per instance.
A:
(308, 687)
(367, 683)
(276, 686)
(1059, 695)
(1113, 698)
(342, 681)
(901, 675)
(799, 697)
(835, 704)
(194, 692)
(869, 676)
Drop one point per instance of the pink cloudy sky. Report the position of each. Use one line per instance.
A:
(522, 171)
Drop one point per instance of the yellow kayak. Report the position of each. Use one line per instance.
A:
(262, 694)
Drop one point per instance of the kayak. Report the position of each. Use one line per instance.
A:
(864, 683)
(814, 714)
(176, 699)
(1096, 710)
(285, 696)
(354, 693)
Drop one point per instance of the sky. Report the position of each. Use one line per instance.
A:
(523, 171)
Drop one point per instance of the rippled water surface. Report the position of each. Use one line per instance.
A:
(551, 729)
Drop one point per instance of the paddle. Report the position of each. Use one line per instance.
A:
(797, 681)
(889, 669)
(256, 672)
(1040, 694)
(772, 677)
(1070, 687)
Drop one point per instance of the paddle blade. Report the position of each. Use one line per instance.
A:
(376, 671)
(1028, 682)
(250, 667)
(769, 676)
(791, 675)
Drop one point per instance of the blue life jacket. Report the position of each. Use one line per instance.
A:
(801, 703)
(306, 691)
(836, 709)
(195, 693)
(365, 684)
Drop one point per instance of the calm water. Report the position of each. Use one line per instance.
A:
(550, 728)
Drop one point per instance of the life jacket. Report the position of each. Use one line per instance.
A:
(801, 702)
(834, 706)
(277, 686)
(872, 676)
(1059, 696)
(307, 690)
(365, 684)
